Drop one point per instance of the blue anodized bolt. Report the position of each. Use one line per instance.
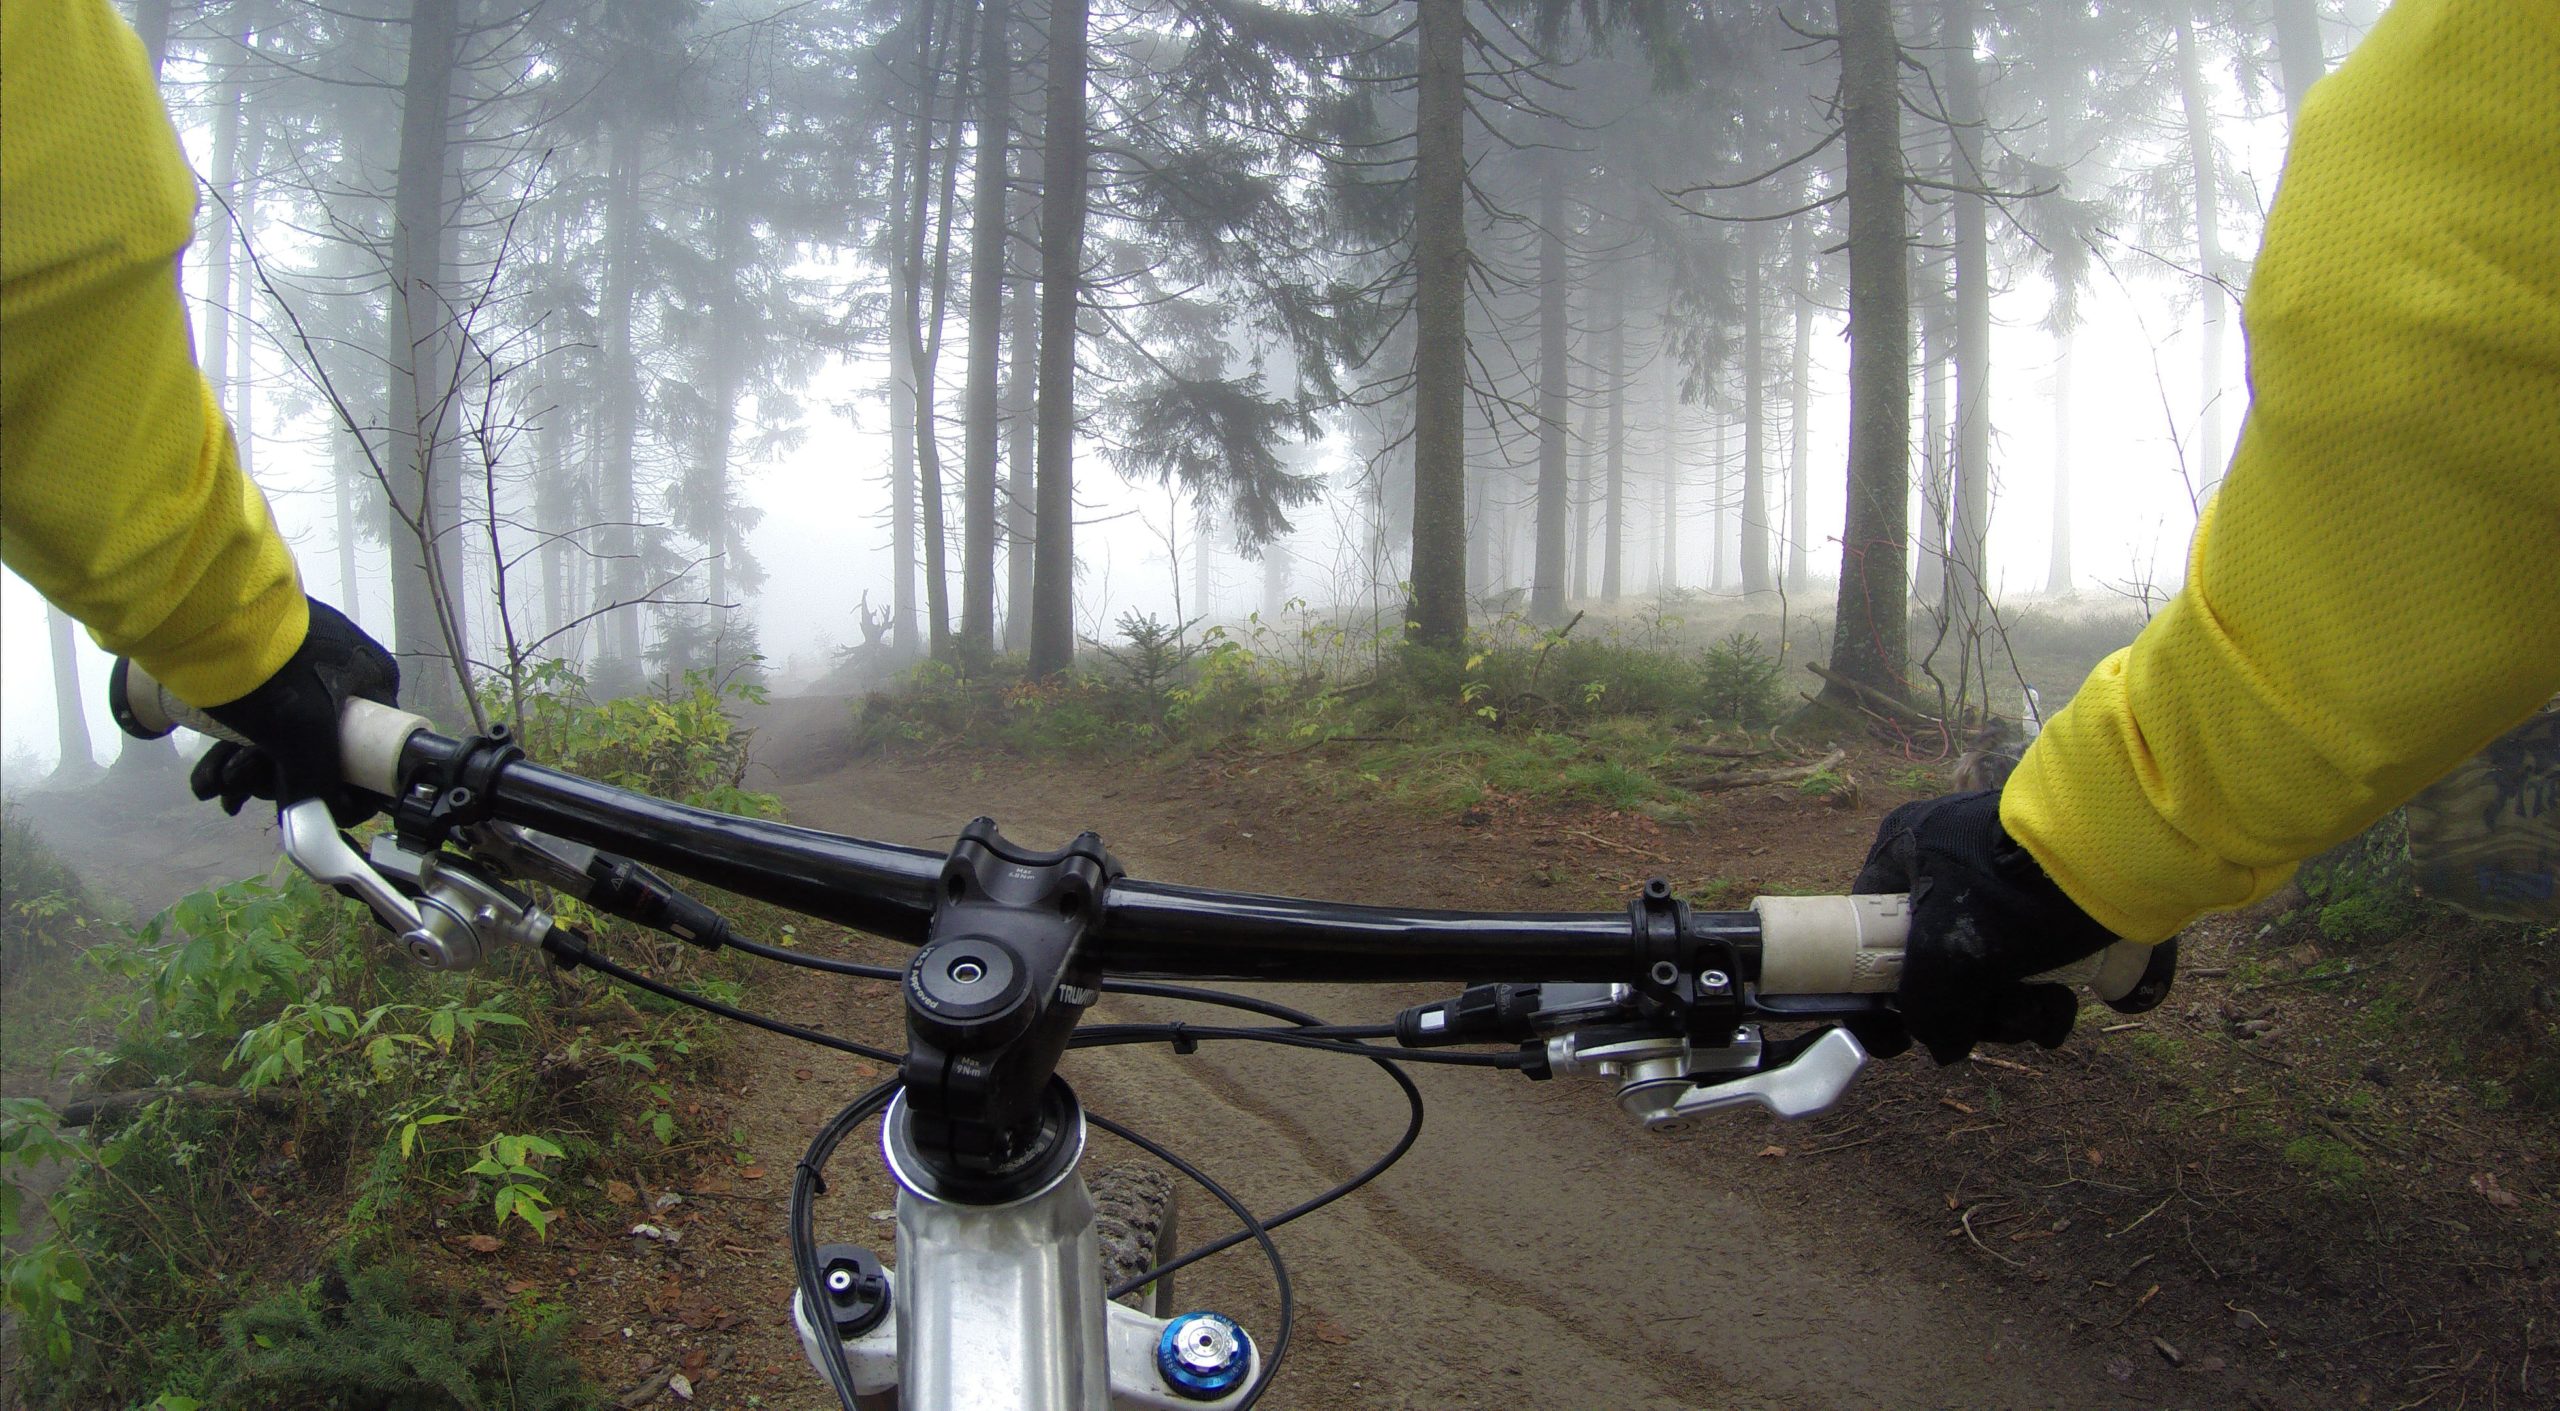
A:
(1203, 1355)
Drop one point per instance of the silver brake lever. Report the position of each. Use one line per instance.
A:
(1812, 1082)
(312, 840)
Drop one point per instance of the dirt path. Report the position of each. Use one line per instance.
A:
(1535, 1248)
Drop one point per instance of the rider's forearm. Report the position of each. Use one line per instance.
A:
(121, 494)
(2375, 592)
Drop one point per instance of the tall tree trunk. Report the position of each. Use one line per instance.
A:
(1756, 577)
(1275, 580)
(244, 324)
(2057, 577)
(216, 240)
(987, 234)
(1871, 630)
(1583, 442)
(1937, 446)
(1546, 585)
(1799, 532)
(348, 463)
(617, 669)
(1438, 616)
(902, 471)
(1018, 509)
(151, 21)
(1062, 214)
(1970, 520)
(70, 712)
(2300, 56)
(729, 354)
(1667, 573)
(1719, 574)
(1613, 519)
(2203, 166)
(929, 477)
(426, 565)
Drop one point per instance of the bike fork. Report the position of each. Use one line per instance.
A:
(1002, 1305)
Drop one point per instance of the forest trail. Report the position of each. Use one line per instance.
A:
(1536, 1248)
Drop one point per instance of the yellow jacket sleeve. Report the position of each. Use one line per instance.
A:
(2375, 592)
(121, 495)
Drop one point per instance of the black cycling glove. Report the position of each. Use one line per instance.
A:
(1984, 916)
(291, 722)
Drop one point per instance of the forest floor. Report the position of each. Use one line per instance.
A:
(2266, 1194)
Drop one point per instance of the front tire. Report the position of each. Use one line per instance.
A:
(1134, 1214)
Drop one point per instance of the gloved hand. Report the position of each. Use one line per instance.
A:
(291, 721)
(1984, 916)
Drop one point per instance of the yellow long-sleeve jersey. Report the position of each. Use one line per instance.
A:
(121, 494)
(2375, 592)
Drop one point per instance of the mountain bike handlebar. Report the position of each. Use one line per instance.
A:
(1844, 948)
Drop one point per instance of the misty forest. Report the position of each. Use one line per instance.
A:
(1459, 453)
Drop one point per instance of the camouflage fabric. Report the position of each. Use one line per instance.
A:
(2485, 839)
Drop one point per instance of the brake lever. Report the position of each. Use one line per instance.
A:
(1800, 1087)
(1664, 1081)
(314, 844)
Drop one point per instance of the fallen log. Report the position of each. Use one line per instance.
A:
(1875, 699)
(1746, 778)
(80, 1112)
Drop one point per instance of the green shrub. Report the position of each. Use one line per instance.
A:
(1740, 682)
(363, 1337)
(678, 743)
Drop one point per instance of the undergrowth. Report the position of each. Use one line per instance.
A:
(1578, 713)
(285, 1103)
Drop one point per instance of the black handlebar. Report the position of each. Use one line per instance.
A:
(1146, 930)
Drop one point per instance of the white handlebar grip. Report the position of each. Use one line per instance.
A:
(1832, 945)
(370, 735)
(1853, 946)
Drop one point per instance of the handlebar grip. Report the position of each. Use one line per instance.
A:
(1853, 945)
(370, 735)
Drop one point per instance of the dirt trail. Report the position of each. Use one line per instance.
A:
(1536, 1247)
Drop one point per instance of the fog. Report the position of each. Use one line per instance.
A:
(680, 258)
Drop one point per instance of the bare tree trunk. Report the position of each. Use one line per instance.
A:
(426, 568)
(216, 240)
(987, 234)
(1438, 616)
(929, 480)
(1799, 531)
(1275, 579)
(1756, 577)
(2300, 56)
(1929, 571)
(1546, 587)
(2204, 168)
(2057, 577)
(1719, 576)
(243, 390)
(70, 713)
(1584, 441)
(1667, 574)
(617, 668)
(1970, 519)
(151, 21)
(1871, 631)
(1613, 519)
(1018, 509)
(1062, 218)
